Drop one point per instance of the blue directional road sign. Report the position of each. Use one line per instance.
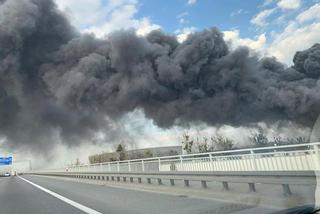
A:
(5, 160)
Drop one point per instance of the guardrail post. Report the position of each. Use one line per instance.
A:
(118, 166)
(186, 183)
(172, 182)
(286, 189)
(204, 184)
(252, 187)
(100, 167)
(159, 162)
(109, 166)
(225, 186)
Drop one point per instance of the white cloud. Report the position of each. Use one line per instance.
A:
(292, 39)
(181, 17)
(122, 18)
(234, 39)
(182, 34)
(266, 3)
(260, 18)
(313, 13)
(238, 12)
(289, 4)
(101, 18)
(191, 2)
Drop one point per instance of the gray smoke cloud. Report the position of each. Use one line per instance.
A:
(56, 82)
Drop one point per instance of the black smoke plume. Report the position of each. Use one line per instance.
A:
(58, 83)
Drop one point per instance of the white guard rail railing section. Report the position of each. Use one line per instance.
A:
(298, 157)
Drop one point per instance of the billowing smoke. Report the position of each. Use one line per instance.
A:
(58, 83)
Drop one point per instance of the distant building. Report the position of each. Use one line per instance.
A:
(104, 157)
(137, 154)
(155, 152)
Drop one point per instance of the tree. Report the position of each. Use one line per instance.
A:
(172, 153)
(77, 163)
(187, 143)
(297, 140)
(203, 146)
(121, 152)
(277, 141)
(259, 138)
(148, 154)
(220, 142)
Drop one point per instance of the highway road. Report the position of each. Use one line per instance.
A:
(41, 195)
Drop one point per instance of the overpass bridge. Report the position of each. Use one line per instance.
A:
(298, 157)
(282, 165)
(270, 178)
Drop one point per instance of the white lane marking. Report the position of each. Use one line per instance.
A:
(62, 198)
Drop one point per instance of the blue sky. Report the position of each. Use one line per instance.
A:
(269, 27)
(202, 14)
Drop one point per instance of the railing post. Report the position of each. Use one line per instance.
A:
(109, 166)
(159, 162)
(118, 166)
(129, 166)
(181, 164)
(317, 153)
(142, 165)
(211, 162)
(253, 160)
(100, 167)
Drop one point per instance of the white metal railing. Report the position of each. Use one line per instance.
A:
(298, 157)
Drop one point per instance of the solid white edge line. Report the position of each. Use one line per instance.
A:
(64, 199)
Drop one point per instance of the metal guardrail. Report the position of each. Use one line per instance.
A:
(281, 178)
(298, 157)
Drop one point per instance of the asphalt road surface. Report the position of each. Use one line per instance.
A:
(40, 195)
